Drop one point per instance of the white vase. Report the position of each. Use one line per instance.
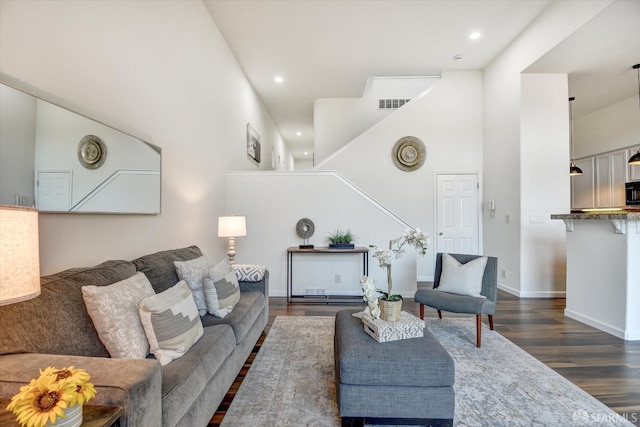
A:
(73, 417)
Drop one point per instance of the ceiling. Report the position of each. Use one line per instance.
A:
(329, 48)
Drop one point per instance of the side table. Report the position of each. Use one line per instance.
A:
(92, 415)
(291, 297)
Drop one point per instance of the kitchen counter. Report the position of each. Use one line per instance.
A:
(603, 270)
(632, 215)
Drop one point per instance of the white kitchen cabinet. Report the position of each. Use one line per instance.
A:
(602, 181)
(618, 178)
(601, 184)
(582, 186)
(634, 170)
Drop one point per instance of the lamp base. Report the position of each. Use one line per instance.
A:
(231, 252)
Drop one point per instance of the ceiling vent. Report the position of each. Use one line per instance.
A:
(391, 104)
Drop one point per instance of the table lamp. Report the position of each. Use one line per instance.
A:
(232, 227)
(19, 254)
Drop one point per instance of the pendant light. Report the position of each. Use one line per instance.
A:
(573, 169)
(635, 159)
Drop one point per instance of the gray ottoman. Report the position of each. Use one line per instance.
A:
(406, 382)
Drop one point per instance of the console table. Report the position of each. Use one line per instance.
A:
(92, 415)
(323, 251)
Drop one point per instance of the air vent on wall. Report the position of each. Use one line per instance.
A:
(391, 104)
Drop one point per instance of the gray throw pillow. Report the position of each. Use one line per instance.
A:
(193, 272)
(114, 312)
(462, 279)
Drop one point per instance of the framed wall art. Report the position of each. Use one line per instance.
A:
(253, 143)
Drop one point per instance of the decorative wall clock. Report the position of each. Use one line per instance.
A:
(409, 153)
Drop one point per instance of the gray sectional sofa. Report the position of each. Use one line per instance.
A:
(54, 329)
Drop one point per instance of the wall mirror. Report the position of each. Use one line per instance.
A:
(60, 161)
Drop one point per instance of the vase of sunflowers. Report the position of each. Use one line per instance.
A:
(54, 399)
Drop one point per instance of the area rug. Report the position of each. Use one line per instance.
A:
(291, 381)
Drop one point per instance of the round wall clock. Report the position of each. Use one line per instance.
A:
(92, 152)
(409, 153)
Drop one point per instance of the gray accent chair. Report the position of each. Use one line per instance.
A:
(444, 301)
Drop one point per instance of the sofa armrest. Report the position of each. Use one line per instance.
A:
(133, 384)
(262, 285)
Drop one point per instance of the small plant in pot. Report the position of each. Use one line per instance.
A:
(341, 239)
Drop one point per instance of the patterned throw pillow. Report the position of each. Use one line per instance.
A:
(171, 322)
(249, 272)
(462, 279)
(221, 289)
(114, 312)
(193, 272)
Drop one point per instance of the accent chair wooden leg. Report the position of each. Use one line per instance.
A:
(479, 329)
(491, 322)
(422, 311)
(439, 314)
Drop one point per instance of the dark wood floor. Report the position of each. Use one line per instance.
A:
(605, 366)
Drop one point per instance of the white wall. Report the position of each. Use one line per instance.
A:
(336, 121)
(544, 149)
(159, 70)
(286, 197)
(17, 146)
(613, 127)
(448, 119)
(503, 144)
(303, 164)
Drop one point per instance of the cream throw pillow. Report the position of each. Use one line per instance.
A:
(462, 279)
(114, 312)
(221, 289)
(193, 272)
(171, 322)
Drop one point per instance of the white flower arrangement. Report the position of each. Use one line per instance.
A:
(369, 291)
(413, 237)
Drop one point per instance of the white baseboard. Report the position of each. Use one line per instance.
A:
(532, 294)
(617, 332)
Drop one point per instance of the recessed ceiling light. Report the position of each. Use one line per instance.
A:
(279, 79)
(475, 35)
(298, 133)
(306, 153)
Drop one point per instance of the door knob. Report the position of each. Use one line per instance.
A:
(440, 233)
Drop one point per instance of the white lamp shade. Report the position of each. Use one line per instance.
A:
(232, 226)
(19, 254)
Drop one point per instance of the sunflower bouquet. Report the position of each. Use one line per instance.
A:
(46, 398)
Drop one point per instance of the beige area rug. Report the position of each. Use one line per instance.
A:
(291, 381)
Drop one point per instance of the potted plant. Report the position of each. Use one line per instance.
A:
(391, 304)
(341, 239)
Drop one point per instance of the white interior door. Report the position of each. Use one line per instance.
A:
(457, 214)
(53, 190)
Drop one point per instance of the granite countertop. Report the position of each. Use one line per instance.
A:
(599, 215)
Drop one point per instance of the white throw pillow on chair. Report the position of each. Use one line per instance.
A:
(462, 279)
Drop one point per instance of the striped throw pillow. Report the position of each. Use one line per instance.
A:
(171, 322)
(221, 289)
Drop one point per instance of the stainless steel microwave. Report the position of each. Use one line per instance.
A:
(633, 193)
